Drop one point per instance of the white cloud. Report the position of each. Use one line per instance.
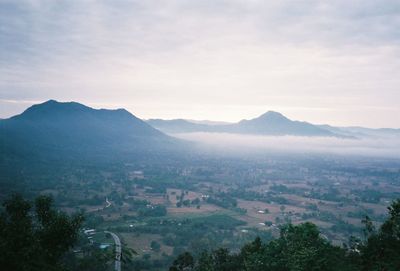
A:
(202, 59)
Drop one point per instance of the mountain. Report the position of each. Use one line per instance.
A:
(209, 122)
(179, 126)
(54, 129)
(270, 123)
(274, 123)
(362, 132)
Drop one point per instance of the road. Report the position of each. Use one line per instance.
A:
(117, 250)
(108, 203)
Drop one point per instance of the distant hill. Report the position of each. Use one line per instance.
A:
(270, 123)
(362, 132)
(54, 129)
(274, 123)
(180, 126)
(209, 122)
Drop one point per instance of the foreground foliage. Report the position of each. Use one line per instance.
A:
(301, 248)
(35, 236)
(38, 237)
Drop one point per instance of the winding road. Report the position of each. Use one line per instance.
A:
(108, 203)
(117, 250)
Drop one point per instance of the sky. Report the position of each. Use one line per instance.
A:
(335, 62)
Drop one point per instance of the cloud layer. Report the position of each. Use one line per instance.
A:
(386, 147)
(323, 61)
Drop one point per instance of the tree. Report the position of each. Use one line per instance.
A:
(223, 261)
(127, 254)
(302, 248)
(35, 239)
(381, 251)
(184, 262)
(299, 248)
(205, 262)
(268, 223)
(94, 259)
(155, 246)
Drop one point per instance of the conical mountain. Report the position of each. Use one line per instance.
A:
(274, 123)
(269, 123)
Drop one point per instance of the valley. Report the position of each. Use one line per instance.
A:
(163, 196)
(162, 211)
(199, 135)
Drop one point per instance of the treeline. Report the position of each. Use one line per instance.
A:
(302, 248)
(35, 236)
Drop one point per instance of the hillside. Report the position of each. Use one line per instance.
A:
(274, 123)
(270, 123)
(179, 126)
(54, 128)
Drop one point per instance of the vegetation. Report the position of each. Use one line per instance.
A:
(301, 248)
(170, 206)
(35, 239)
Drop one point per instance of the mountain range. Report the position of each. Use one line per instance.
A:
(270, 123)
(55, 130)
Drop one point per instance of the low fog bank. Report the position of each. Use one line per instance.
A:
(388, 147)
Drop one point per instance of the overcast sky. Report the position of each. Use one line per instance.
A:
(334, 62)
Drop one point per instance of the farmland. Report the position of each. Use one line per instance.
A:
(166, 210)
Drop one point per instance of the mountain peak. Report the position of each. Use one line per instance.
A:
(51, 101)
(274, 123)
(272, 114)
(56, 110)
(52, 107)
(57, 103)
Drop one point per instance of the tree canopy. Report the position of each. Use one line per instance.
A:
(303, 248)
(35, 236)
